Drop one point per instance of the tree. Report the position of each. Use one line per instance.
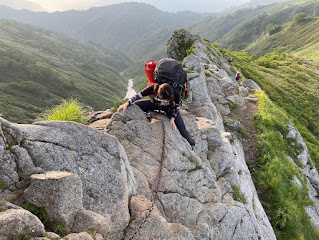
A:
(300, 17)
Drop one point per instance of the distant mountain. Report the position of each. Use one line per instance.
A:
(39, 68)
(117, 26)
(240, 29)
(252, 4)
(300, 36)
(22, 4)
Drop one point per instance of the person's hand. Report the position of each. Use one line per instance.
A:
(172, 122)
(123, 106)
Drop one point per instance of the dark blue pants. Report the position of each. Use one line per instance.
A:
(147, 105)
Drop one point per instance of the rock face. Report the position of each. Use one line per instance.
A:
(308, 171)
(99, 160)
(60, 193)
(15, 223)
(142, 175)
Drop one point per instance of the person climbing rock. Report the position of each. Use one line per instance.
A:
(238, 76)
(162, 98)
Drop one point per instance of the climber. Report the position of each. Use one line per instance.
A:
(238, 76)
(230, 59)
(162, 98)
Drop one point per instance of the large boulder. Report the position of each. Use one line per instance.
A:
(87, 220)
(97, 158)
(15, 223)
(189, 189)
(60, 193)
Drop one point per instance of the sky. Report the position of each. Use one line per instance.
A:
(165, 5)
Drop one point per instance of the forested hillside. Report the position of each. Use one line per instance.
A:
(39, 68)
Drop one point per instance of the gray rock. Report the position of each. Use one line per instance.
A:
(99, 237)
(193, 62)
(250, 84)
(24, 162)
(297, 182)
(88, 220)
(41, 238)
(292, 134)
(60, 193)
(52, 235)
(155, 226)
(243, 91)
(16, 223)
(97, 158)
(8, 169)
(78, 236)
(233, 124)
(182, 37)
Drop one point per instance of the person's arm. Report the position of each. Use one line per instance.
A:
(172, 114)
(146, 91)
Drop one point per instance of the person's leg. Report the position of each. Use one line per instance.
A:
(182, 129)
(145, 105)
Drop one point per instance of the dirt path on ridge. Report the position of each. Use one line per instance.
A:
(246, 117)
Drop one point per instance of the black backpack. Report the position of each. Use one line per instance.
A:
(170, 71)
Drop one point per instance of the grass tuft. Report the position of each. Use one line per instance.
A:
(67, 111)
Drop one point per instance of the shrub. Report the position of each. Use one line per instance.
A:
(67, 111)
(298, 18)
(242, 131)
(59, 229)
(233, 106)
(38, 211)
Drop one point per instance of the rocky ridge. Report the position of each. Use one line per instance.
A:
(139, 163)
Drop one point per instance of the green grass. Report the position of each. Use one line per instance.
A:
(67, 111)
(3, 185)
(233, 106)
(292, 89)
(241, 131)
(299, 37)
(283, 201)
(238, 196)
(292, 86)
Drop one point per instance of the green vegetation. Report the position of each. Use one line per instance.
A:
(283, 201)
(193, 161)
(233, 106)
(3, 185)
(40, 68)
(67, 111)
(26, 237)
(241, 131)
(232, 140)
(208, 73)
(239, 30)
(59, 229)
(291, 85)
(238, 196)
(298, 36)
(38, 211)
(92, 233)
